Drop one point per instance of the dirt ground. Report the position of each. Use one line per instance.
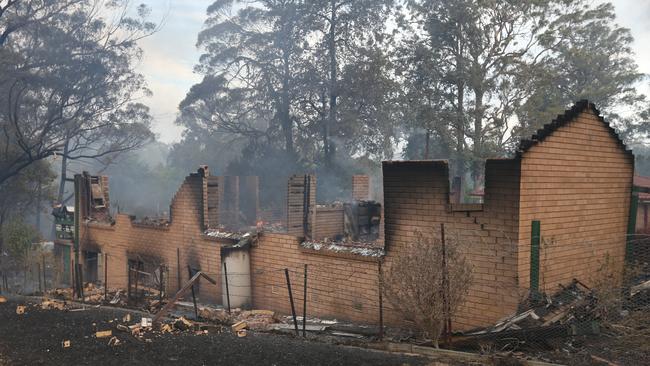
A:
(36, 338)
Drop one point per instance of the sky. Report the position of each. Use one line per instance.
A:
(171, 53)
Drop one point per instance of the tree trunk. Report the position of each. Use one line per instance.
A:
(331, 123)
(285, 104)
(477, 161)
(63, 177)
(460, 112)
(64, 172)
(426, 144)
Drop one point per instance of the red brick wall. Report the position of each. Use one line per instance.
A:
(577, 183)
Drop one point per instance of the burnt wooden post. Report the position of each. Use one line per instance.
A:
(225, 273)
(304, 305)
(445, 287)
(381, 303)
(534, 257)
(44, 279)
(74, 278)
(196, 310)
(40, 285)
(160, 290)
(178, 267)
(137, 279)
(81, 282)
(105, 277)
(128, 293)
(293, 307)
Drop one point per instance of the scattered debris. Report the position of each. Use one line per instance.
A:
(123, 328)
(369, 249)
(182, 324)
(114, 341)
(103, 334)
(20, 309)
(52, 304)
(146, 322)
(241, 333)
(66, 344)
(239, 326)
(166, 328)
(126, 318)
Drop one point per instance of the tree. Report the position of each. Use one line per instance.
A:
(594, 62)
(491, 65)
(23, 194)
(18, 237)
(342, 29)
(427, 283)
(68, 85)
(248, 87)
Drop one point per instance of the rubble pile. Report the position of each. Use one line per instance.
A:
(153, 221)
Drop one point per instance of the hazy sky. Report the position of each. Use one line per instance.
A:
(170, 54)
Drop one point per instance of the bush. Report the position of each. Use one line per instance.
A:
(426, 284)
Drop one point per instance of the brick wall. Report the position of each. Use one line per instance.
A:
(329, 222)
(339, 286)
(360, 187)
(416, 197)
(577, 183)
(297, 187)
(126, 240)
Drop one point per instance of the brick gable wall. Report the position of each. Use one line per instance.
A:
(577, 183)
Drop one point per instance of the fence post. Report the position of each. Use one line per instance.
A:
(81, 282)
(44, 279)
(178, 268)
(40, 285)
(445, 290)
(534, 257)
(137, 282)
(293, 308)
(160, 290)
(381, 304)
(105, 276)
(128, 291)
(304, 306)
(225, 273)
(74, 279)
(196, 310)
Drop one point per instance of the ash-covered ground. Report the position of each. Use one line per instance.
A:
(36, 338)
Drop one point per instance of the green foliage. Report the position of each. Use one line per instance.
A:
(18, 238)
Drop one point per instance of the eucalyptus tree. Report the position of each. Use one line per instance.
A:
(68, 85)
(251, 56)
(494, 63)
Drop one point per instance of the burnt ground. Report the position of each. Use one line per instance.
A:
(35, 338)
